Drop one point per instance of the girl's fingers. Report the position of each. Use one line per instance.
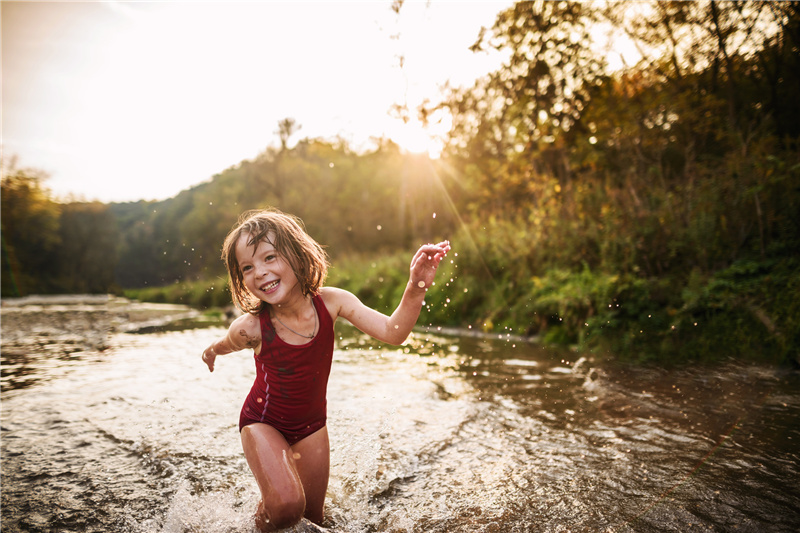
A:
(432, 253)
(440, 249)
(209, 362)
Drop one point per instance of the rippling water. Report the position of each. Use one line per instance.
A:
(104, 430)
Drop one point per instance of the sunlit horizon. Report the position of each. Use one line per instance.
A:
(122, 101)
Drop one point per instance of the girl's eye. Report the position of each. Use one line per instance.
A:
(246, 268)
(270, 257)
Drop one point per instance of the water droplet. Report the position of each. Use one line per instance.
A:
(434, 215)
(421, 284)
(379, 227)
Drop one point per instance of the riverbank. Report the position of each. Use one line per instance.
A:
(749, 311)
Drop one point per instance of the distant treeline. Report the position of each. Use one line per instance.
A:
(649, 212)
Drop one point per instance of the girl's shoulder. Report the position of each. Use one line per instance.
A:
(333, 297)
(332, 294)
(248, 323)
(245, 332)
(340, 303)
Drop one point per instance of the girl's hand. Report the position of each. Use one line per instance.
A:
(209, 356)
(425, 263)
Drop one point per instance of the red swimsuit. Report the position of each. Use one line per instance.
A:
(289, 392)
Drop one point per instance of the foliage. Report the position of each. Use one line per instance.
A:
(202, 295)
(380, 200)
(50, 247)
(86, 257)
(30, 225)
(684, 163)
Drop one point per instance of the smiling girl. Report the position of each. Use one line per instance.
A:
(276, 273)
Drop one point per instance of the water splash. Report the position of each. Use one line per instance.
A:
(216, 512)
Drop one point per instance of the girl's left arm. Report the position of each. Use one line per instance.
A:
(396, 328)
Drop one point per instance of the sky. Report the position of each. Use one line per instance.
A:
(122, 101)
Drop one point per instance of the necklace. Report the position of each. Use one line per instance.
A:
(299, 334)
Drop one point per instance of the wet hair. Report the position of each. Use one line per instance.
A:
(305, 256)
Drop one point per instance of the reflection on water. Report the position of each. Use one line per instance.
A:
(104, 430)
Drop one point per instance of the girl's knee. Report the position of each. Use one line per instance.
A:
(281, 514)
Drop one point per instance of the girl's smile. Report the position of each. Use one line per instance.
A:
(269, 288)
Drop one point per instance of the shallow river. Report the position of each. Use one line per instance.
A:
(108, 429)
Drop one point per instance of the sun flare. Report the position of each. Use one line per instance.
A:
(414, 137)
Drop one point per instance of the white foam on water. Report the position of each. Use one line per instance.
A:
(214, 512)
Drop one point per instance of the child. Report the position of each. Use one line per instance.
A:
(276, 271)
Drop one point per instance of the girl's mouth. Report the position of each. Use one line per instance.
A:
(270, 287)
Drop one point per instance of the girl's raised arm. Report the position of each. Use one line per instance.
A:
(396, 328)
(244, 332)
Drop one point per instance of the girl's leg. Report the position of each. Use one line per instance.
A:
(312, 461)
(283, 500)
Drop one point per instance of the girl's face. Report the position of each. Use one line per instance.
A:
(266, 274)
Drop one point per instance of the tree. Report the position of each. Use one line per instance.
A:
(88, 252)
(286, 129)
(30, 233)
(541, 89)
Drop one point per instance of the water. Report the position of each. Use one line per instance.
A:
(107, 429)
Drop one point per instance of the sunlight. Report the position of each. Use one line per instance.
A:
(161, 81)
(414, 137)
